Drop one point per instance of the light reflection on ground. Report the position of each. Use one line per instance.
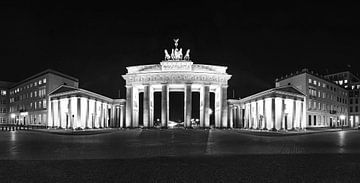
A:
(135, 143)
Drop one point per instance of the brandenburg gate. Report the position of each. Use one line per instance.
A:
(176, 73)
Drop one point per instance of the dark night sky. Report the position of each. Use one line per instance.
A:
(258, 42)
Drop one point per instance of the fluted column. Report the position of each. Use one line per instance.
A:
(251, 116)
(204, 106)
(231, 115)
(273, 116)
(301, 114)
(187, 106)
(129, 107)
(146, 106)
(264, 115)
(218, 107)
(293, 115)
(151, 104)
(52, 113)
(87, 113)
(224, 109)
(164, 105)
(121, 116)
(59, 112)
(78, 111)
(282, 122)
(257, 115)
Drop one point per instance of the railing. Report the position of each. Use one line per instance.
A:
(13, 127)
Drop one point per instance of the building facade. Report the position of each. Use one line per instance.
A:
(4, 101)
(352, 83)
(326, 101)
(28, 99)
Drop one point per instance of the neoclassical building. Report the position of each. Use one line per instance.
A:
(72, 108)
(176, 73)
(281, 108)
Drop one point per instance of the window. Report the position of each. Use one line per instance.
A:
(309, 119)
(44, 103)
(310, 81)
(356, 109)
(40, 82)
(351, 109)
(314, 82)
(39, 104)
(324, 85)
(3, 92)
(35, 84)
(35, 93)
(356, 101)
(35, 105)
(351, 101)
(44, 80)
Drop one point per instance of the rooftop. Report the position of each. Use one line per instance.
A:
(43, 73)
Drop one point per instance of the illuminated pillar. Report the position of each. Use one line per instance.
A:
(282, 114)
(218, 107)
(224, 109)
(257, 115)
(135, 107)
(87, 113)
(146, 106)
(69, 114)
(95, 114)
(187, 106)
(251, 118)
(264, 116)
(52, 113)
(121, 118)
(78, 111)
(301, 114)
(293, 115)
(273, 108)
(231, 115)
(164, 105)
(151, 104)
(59, 112)
(129, 107)
(204, 106)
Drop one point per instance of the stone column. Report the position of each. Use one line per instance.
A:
(95, 114)
(78, 111)
(146, 106)
(52, 113)
(273, 116)
(69, 114)
(129, 107)
(204, 106)
(121, 116)
(224, 109)
(187, 106)
(282, 122)
(257, 115)
(301, 114)
(218, 107)
(251, 119)
(59, 112)
(135, 106)
(293, 115)
(87, 113)
(264, 115)
(231, 115)
(164, 105)
(151, 104)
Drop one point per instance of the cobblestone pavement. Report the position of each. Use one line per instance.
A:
(139, 143)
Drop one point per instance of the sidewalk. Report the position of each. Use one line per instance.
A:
(291, 132)
(76, 132)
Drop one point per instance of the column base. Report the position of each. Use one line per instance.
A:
(273, 129)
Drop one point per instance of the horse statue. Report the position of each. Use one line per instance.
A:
(187, 55)
(167, 56)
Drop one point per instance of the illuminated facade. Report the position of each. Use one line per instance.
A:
(281, 108)
(28, 99)
(4, 101)
(352, 83)
(76, 108)
(176, 73)
(326, 101)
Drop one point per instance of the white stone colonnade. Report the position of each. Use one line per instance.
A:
(269, 110)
